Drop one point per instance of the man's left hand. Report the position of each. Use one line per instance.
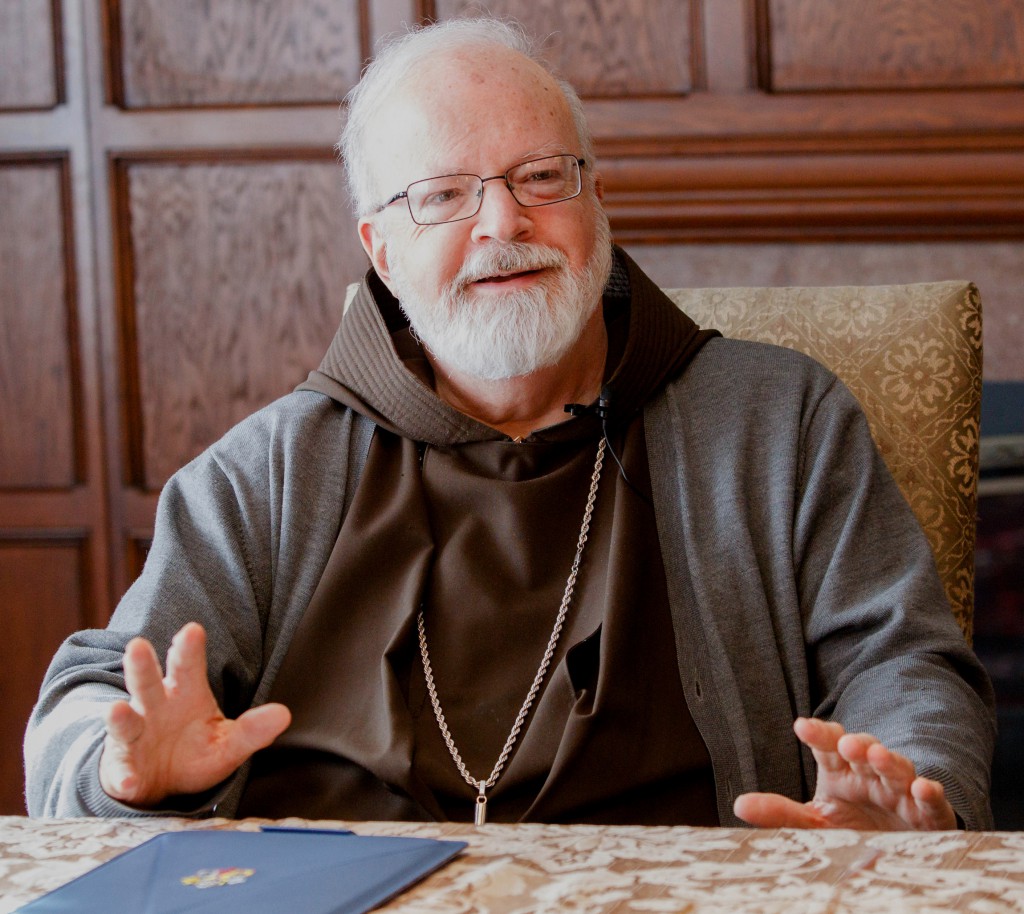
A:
(861, 784)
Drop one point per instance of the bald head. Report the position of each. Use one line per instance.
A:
(420, 71)
(477, 111)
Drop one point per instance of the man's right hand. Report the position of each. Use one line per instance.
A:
(171, 737)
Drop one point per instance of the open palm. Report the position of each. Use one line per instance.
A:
(861, 784)
(172, 737)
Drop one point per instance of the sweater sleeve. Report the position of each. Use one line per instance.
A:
(242, 534)
(802, 584)
(885, 655)
(198, 569)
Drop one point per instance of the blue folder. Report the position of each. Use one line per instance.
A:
(274, 871)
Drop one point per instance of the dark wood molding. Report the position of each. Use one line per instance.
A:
(711, 123)
(761, 44)
(139, 509)
(127, 368)
(59, 68)
(365, 33)
(137, 546)
(72, 308)
(795, 197)
(724, 46)
(425, 11)
(113, 52)
(45, 509)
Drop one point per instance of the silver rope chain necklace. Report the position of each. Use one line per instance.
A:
(480, 816)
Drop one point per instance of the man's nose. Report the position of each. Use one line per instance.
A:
(501, 216)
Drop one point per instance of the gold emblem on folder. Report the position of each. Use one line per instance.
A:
(215, 878)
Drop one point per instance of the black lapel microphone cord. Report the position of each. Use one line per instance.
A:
(603, 410)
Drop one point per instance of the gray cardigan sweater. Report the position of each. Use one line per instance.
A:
(799, 581)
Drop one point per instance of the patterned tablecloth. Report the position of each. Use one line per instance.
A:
(517, 869)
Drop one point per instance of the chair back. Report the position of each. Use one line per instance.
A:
(911, 354)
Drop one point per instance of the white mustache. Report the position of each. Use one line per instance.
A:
(514, 257)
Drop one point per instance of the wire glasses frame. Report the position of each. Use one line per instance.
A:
(452, 198)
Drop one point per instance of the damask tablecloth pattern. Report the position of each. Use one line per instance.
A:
(548, 868)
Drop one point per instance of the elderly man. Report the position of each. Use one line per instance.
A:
(529, 545)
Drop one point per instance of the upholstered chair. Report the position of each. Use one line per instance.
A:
(911, 354)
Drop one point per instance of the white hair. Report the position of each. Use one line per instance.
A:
(398, 57)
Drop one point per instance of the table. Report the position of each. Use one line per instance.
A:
(515, 869)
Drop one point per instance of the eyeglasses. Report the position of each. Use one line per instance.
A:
(450, 198)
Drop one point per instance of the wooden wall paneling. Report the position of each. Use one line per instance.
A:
(234, 291)
(820, 45)
(30, 58)
(41, 445)
(101, 76)
(725, 46)
(806, 196)
(605, 48)
(43, 577)
(388, 17)
(193, 132)
(725, 124)
(53, 540)
(997, 266)
(234, 52)
(138, 544)
(91, 493)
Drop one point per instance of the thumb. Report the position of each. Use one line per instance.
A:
(770, 810)
(258, 727)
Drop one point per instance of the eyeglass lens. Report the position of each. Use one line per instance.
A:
(453, 197)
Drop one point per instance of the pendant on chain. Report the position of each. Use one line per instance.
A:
(480, 816)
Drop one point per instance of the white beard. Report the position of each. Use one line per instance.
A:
(505, 335)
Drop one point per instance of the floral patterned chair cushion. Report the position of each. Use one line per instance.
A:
(912, 355)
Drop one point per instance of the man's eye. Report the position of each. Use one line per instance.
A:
(539, 177)
(443, 197)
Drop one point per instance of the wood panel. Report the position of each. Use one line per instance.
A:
(137, 548)
(997, 267)
(38, 349)
(801, 196)
(237, 277)
(233, 52)
(816, 45)
(41, 581)
(605, 48)
(29, 60)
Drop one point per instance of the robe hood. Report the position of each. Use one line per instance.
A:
(376, 366)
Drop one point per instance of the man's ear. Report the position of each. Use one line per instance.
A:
(372, 240)
(598, 186)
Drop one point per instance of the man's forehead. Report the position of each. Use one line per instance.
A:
(477, 123)
(447, 163)
(477, 81)
(477, 66)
